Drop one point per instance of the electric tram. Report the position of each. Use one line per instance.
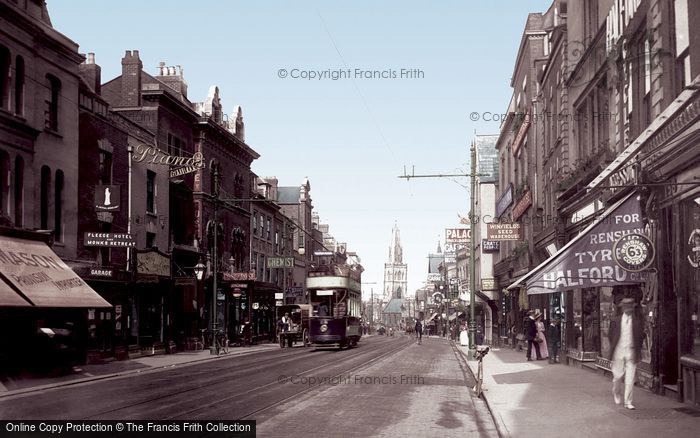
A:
(336, 297)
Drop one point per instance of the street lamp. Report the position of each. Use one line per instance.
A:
(199, 269)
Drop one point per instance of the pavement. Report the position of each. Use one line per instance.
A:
(26, 383)
(536, 399)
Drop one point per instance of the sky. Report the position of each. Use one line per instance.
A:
(414, 81)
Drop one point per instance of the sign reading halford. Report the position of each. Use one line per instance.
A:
(589, 260)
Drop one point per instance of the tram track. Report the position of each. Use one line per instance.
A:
(220, 379)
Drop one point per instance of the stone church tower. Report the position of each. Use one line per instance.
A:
(395, 270)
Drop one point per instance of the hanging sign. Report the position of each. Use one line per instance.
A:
(694, 242)
(109, 240)
(107, 197)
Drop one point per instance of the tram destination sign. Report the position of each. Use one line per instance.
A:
(109, 240)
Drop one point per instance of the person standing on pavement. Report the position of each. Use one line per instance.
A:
(530, 335)
(626, 338)
(541, 338)
(554, 335)
(419, 331)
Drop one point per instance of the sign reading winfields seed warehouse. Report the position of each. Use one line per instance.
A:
(589, 260)
(503, 231)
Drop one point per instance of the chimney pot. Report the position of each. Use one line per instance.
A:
(136, 53)
(127, 54)
(90, 58)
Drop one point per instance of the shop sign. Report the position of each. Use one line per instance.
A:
(522, 205)
(518, 140)
(505, 200)
(109, 240)
(279, 295)
(503, 231)
(240, 276)
(490, 245)
(102, 272)
(183, 165)
(152, 262)
(280, 262)
(239, 285)
(458, 235)
(619, 17)
(590, 260)
(633, 252)
(107, 198)
(453, 247)
(434, 276)
(279, 303)
(296, 291)
(488, 284)
(694, 242)
(437, 298)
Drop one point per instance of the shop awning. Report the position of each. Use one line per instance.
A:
(10, 298)
(587, 260)
(42, 277)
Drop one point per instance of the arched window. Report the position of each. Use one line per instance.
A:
(19, 85)
(44, 198)
(58, 206)
(4, 183)
(51, 111)
(19, 191)
(4, 77)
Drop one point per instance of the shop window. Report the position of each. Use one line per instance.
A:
(682, 43)
(150, 240)
(689, 270)
(607, 314)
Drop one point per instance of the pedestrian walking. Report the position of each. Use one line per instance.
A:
(531, 335)
(419, 331)
(626, 338)
(554, 336)
(541, 338)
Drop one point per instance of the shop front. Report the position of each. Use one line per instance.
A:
(151, 331)
(44, 306)
(584, 281)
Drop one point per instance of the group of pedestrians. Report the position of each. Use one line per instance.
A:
(626, 335)
(536, 335)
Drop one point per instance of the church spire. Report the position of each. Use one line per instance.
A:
(395, 250)
(439, 249)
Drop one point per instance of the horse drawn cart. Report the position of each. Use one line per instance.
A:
(293, 324)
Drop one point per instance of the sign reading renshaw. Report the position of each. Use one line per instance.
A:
(589, 260)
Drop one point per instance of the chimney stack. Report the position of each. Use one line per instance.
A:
(131, 79)
(91, 73)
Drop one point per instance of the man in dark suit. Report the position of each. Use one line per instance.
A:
(531, 334)
(626, 338)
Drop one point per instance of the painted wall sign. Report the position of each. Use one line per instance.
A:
(110, 240)
(295, 291)
(518, 140)
(240, 276)
(152, 262)
(633, 252)
(503, 231)
(107, 197)
(619, 17)
(505, 200)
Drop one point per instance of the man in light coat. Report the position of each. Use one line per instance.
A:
(626, 338)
